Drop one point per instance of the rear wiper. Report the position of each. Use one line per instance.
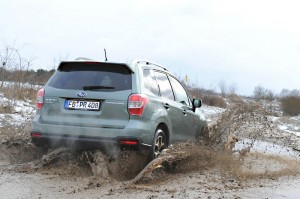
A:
(97, 87)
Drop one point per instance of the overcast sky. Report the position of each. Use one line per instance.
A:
(242, 42)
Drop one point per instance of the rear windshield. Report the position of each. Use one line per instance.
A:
(92, 76)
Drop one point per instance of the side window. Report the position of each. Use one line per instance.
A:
(180, 93)
(164, 86)
(150, 83)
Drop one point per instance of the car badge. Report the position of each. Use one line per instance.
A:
(81, 94)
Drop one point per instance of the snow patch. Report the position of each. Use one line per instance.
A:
(23, 111)
(282, 127)
(209, 112)
(266, 148)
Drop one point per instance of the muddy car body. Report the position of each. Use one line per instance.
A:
(139, 105)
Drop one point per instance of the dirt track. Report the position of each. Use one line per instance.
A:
(187, 170)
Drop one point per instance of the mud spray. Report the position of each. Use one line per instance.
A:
(247, 121)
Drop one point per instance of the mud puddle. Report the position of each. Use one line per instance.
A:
(185, 170)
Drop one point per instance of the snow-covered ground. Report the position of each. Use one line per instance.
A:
(288, 124)
(22, 112)
(210, 113)
(288, 127)
(266, 148)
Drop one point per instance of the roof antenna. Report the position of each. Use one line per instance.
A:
(105, 54)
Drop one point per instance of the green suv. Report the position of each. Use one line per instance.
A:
(139, 105)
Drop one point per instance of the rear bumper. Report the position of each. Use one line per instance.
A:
(45, 139)
(137, 134)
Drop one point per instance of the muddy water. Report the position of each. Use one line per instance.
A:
(22, 185)
(207, 174)
(18, 185)
(286, 188)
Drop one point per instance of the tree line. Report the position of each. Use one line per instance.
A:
(37, 77)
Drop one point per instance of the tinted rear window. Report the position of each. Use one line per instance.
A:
(92, 76)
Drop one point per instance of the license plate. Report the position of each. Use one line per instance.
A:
(82, 105)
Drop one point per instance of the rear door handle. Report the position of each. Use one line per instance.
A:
(167, 106)
(184, 112)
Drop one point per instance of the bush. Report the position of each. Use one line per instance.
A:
(208, 97)
(261, 93)
(291, 105)
(213, 100)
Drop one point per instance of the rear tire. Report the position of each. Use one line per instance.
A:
(159, 144)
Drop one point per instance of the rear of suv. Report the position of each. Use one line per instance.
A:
(139, 105)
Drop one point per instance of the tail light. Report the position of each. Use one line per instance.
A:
(128, 142)
(136, 104)
(37, 135)
(40, 98)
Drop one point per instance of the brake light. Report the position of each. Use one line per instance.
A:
(37, 135)
(40, 98)
(128, 142)
(136, 104)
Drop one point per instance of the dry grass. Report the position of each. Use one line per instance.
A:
(6, 107)
(208, 97)
(291, 105)
(14, 93)
(214, 100)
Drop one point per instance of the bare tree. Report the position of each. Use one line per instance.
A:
(223, 88)
(232, 89)
(295, 93)
(258, 93)
(57, 60)
(284, 93)
(261, 93)
(13, 67)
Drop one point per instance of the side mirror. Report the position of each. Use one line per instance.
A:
(197, 103)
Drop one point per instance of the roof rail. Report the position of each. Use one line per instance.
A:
(82, 58)
(149, 63)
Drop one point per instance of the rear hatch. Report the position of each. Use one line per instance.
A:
(90, 94)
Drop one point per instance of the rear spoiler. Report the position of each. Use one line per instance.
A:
(89, 61)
